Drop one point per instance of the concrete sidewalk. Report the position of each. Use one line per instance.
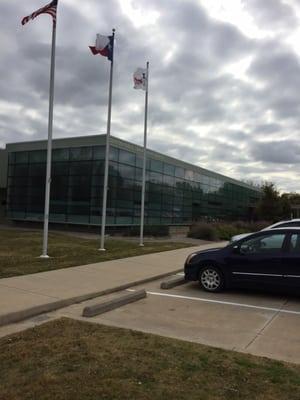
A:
(25, 296)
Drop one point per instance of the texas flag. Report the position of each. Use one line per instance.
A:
(104, 46)
(140, 79)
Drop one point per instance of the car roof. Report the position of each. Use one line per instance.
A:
(282, 222)
(263, 232)
(286, 228)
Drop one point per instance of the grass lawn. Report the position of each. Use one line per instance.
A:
(20, 250)
(68, 359)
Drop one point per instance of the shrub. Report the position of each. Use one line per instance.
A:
(203, 231)
(250, 226)
(226, 231)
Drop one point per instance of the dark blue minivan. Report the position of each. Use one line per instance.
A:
(264, 259)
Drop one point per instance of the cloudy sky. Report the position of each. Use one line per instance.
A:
(223, 90)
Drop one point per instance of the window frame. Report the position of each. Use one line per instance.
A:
(283, 248)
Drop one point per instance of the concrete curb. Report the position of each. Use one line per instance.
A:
(179, 280)
(20, 315)
(100, 308)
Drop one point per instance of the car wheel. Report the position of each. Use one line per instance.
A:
(211, 279)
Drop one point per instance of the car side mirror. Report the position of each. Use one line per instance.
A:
(236, 249)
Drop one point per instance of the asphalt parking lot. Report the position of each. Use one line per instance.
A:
(264, 324)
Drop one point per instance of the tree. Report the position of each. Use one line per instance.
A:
(271, 205)
(286, 209)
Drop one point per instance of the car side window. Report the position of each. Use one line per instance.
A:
(271, 243)
(295, 243)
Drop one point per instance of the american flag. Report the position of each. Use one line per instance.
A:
(48, 9)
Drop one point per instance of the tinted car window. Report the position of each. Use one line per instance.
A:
(295, 243)
(263, 244)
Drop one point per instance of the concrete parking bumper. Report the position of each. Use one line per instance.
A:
(100, 308)
(169, 284)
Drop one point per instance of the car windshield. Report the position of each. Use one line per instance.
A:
(232, 243)
(236, 238)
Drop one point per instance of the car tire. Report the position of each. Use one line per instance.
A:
(211, 279)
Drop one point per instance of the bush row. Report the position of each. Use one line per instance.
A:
(203, 230)
(223, 231)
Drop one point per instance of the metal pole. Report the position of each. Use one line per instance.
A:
(144, 160)
(105, 184)
(49, 146)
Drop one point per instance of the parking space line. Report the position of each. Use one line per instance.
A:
(229, 303)
(260, 333)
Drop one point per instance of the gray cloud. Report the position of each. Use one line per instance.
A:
(279, 152)
(271, 14)
(199, 111)
(263, 129)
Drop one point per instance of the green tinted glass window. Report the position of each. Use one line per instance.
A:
(169, 169)
(60, 168)
(80, 180)
(59, 187)
(126, 171)
(138, 174)
(126, 157)
(97, 192)
(206, 179)
(11, 170)
(81, 153)
(139, 161)
(37, 156)
(113, 153)
(80, 192)
(37, 170)
(155, 177)
(189, 175)
(99, 152)
(179, 172)
(21, 170)
(81, 168)
(60, 155)
(98, 168)
(168, 180)
(11, 158)
(113, 169)
(36, 180)
(21, 157)
(156, 165)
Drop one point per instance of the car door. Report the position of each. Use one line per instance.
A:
(291, 273)
(258, 259)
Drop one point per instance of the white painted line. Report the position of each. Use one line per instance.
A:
(229, 303)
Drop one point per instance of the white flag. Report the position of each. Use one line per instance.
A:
(140, 79)
(101, 42)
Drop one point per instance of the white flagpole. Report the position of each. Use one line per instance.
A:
(105, 184)
(49, 145)
(144, 160)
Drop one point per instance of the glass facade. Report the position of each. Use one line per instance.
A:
(174, 194)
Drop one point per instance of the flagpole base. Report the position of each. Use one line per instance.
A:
(102, 249)
(141, 245)
(44, 256)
